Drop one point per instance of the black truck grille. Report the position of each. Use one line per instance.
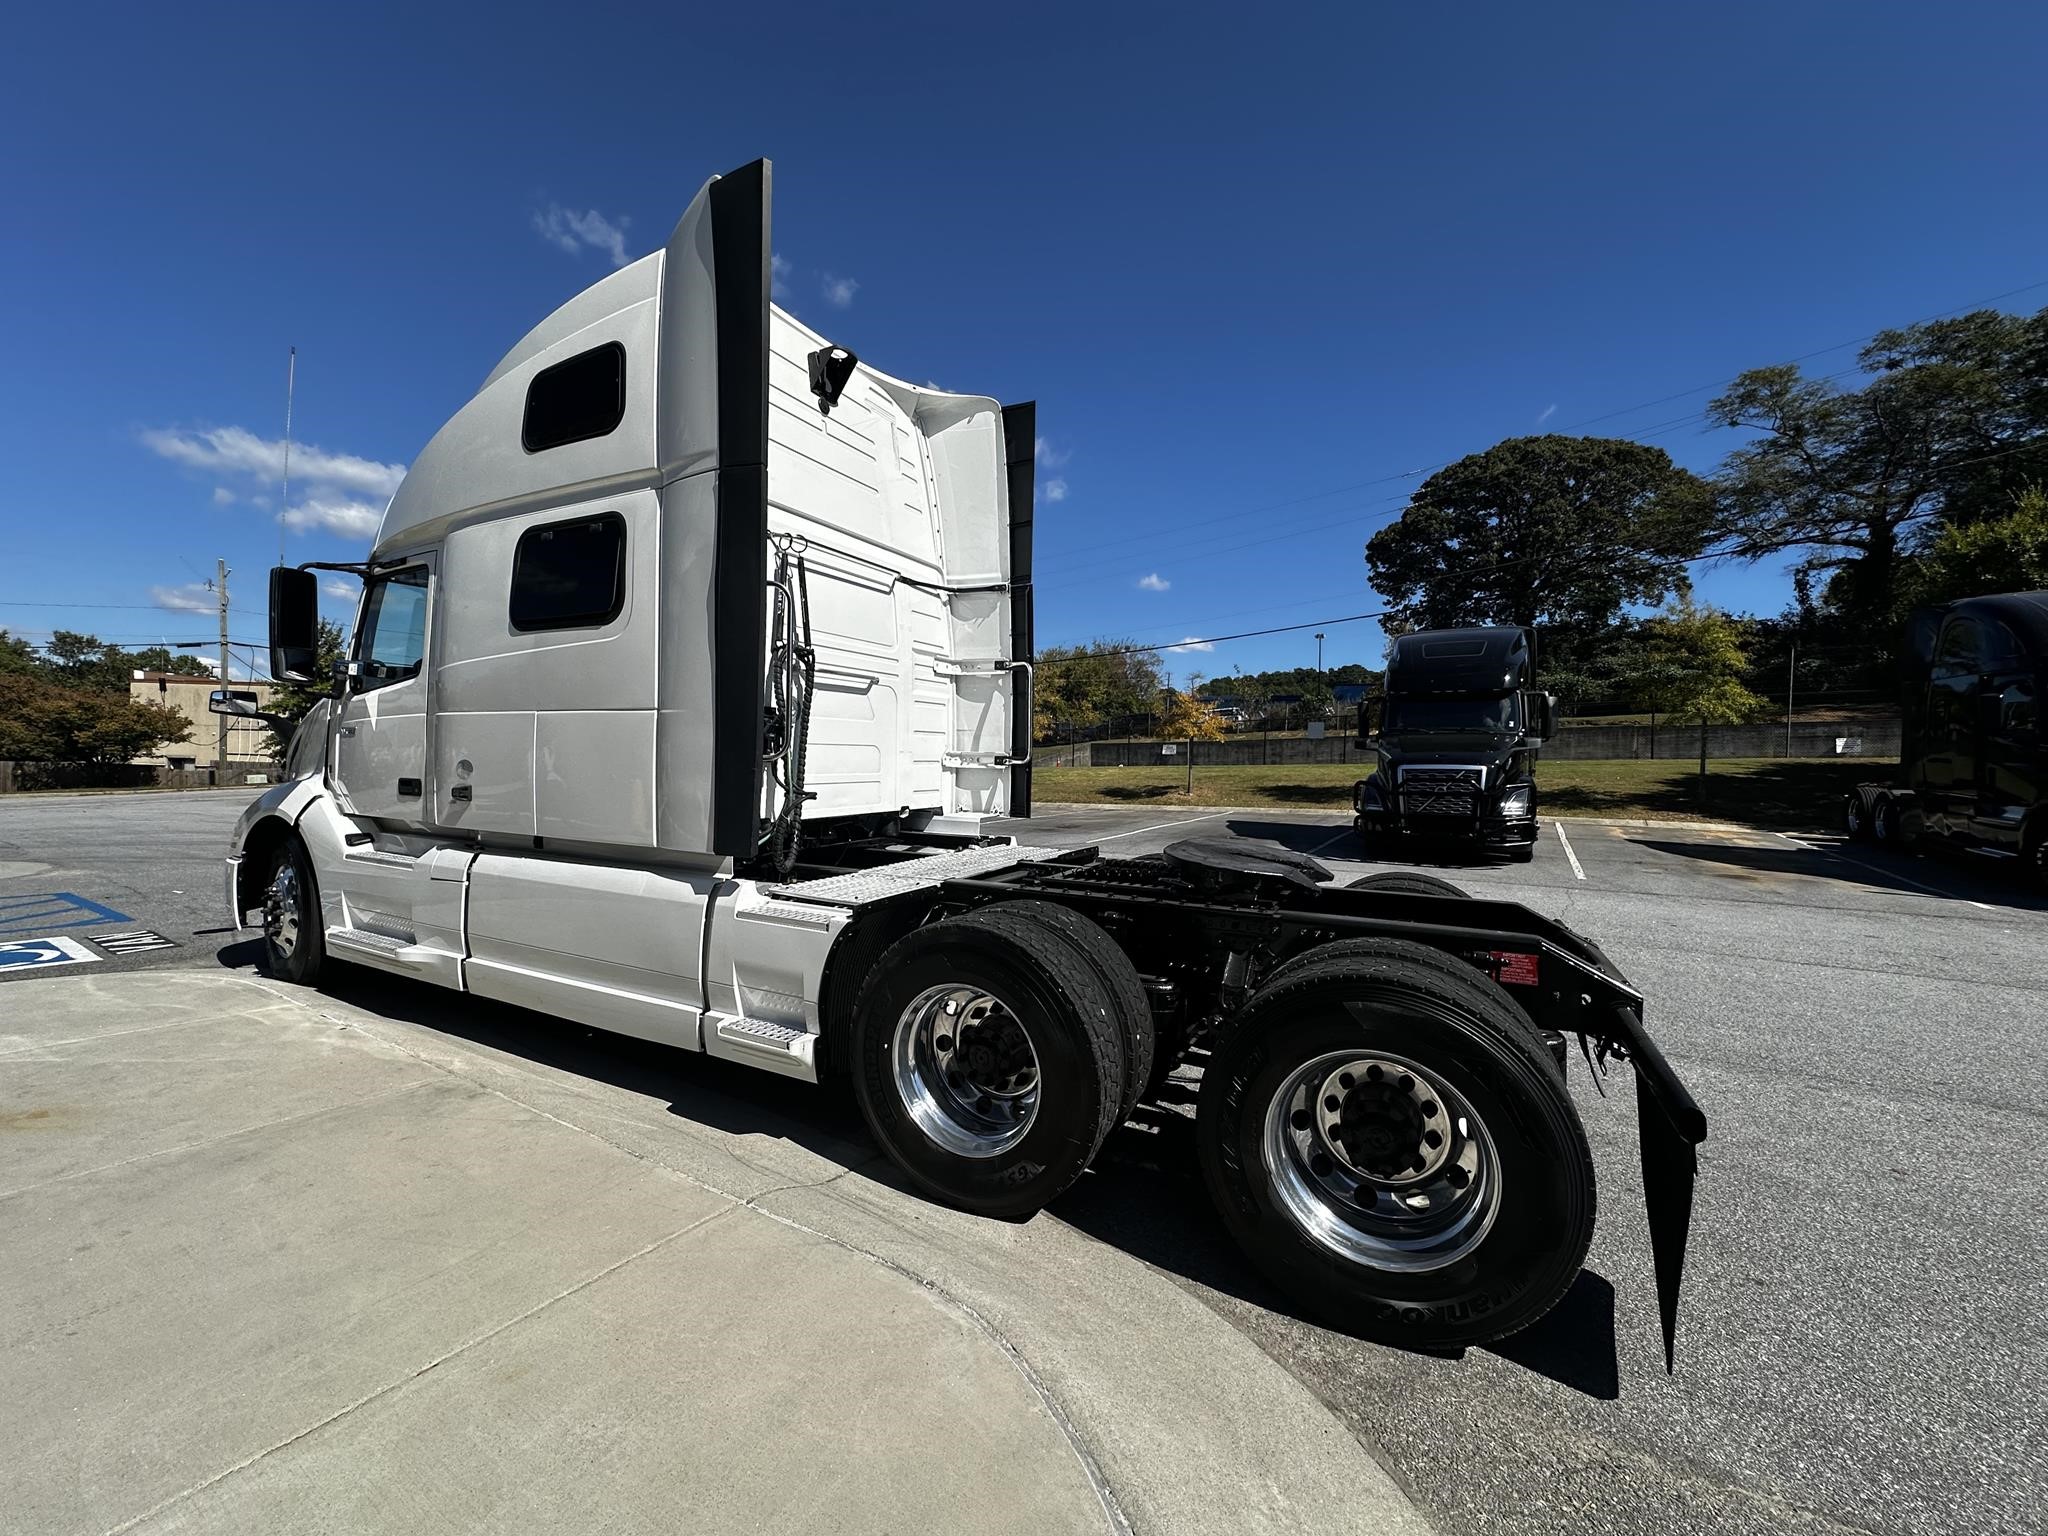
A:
(1441, 791)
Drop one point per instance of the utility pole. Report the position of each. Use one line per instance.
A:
(1791, 661)
(221, 765)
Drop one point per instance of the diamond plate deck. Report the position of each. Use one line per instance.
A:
(865, 885)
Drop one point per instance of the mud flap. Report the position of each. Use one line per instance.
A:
(1669, 1124)
(1668, 1166)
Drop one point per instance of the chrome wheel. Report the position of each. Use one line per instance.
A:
(281, 910)
(965, 1070)
(1380, 1162)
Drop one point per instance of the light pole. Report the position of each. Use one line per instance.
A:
(1319, 653)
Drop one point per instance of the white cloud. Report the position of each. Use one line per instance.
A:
(839, 291)
(350, 519)
(572, 231)
(223, 497)
(240, 451)
(1049, 456)
(344, 591)
(1192, 643)
(1055, 489)
(778, 270)
(192, 597)
(1548, 412)
(1152, 581)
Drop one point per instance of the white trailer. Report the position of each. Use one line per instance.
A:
(692, 656)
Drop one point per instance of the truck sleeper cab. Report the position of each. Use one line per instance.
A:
(1973, 762)
(1459, 727)
(692, 658)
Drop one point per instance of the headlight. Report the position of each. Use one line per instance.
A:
(1514, 800)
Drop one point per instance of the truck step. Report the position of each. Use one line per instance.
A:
(363, 938)
(783, 1048)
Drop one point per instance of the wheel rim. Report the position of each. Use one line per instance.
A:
(1348, 1148)
(281, 910)
(1855, 818)
(965, 1070)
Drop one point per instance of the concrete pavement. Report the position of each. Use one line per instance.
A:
(278, 1262)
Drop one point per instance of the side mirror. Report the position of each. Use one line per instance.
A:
(1365, 718)
(1540, 710)
(294, 624)
(234, 701)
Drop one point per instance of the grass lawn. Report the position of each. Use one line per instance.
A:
(1770, 792)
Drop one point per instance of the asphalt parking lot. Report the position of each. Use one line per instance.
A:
(1862, 1336)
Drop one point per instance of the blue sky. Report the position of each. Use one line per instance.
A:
(1252, 264)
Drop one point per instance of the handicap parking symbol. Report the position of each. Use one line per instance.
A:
(28, 954)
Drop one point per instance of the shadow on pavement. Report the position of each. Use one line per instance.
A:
(1868, 867)
(1309, 837)
(1143, 1195)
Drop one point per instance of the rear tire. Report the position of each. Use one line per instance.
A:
(1118, 976)
(1492, 1250)
(1884, 823)
(1407, 882)
(294, 939)
(1856, 817)
(987, 1060)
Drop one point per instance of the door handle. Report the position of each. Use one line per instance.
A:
(346, 730)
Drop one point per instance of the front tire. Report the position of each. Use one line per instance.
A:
(294, 941)
(987, 1060)
(1315, 1130)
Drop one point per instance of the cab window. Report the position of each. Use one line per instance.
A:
(393, 639)
(1962, 649)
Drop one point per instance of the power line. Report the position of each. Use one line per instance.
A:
(1411, 474)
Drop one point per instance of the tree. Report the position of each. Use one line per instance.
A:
(16, 654)
(1189, 717)
(1948, 415)
(1556, 532)
(42, 720)
(2003, 554)
(291, 701)
(1691, 669)
(1100, 683)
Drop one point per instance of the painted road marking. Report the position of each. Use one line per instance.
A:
(1566, 842)
(1342, 833)
(27, 954)
(134, 942)
(1186, 821)
(54, 909)
(1850, 858)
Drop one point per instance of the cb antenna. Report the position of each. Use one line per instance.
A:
(291, 369)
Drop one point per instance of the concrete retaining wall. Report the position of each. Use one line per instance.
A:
(16, 778)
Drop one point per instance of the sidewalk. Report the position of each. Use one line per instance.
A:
(277, 1263)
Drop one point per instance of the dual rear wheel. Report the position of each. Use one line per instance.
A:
(1382, 1129)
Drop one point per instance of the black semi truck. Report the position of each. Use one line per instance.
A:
(1459, 726)
(1973, 763)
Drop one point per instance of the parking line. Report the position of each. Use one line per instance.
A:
(1850, 858)
(1558, 826)
(1185, 821)
(1341, 834)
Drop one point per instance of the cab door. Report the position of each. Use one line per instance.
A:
(1949, 758)
(380, 758)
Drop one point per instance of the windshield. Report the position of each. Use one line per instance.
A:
(1485, 714)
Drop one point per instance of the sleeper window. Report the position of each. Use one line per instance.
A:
(570, 575)
(582, 398)
(394, 633)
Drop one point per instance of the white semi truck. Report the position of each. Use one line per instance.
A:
(693, 656)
